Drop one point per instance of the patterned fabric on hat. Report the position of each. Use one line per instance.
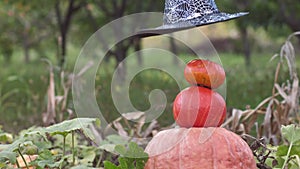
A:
(183, 10)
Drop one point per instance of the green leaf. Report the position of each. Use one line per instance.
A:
(291, 133)
(110, 165)
(141, 163)
(121, 149)
(108, 147)
(7, 155)
(43, 145)
(116, 139)
(135, 151)
(81, 167)
(283, 150)
(280, 161)
(35, 131)
(110, 143)
(46, 159)
(30, 149)
(65, 127)
(3, 146)
(132, 157)
(88, 155)
(125, 163)
(15, 145)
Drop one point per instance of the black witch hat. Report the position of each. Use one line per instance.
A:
(185, 14)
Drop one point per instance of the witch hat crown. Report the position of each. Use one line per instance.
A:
(185, 14)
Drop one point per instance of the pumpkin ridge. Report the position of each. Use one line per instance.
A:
(214, 157)
(228, 142)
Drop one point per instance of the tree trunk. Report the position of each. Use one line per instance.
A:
(63, 48)
(246, 46)
(288, 14)
(120, 55)
(104, 42)
(64, 23)
(174, 51)
(137, 48)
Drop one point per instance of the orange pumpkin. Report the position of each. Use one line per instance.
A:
(204, 73)
(199, 107)
(199, 148)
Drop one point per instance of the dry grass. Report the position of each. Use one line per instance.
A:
(280, 108)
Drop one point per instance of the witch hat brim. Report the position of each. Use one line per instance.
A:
(191, 23)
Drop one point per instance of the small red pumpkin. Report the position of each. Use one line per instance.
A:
(199, 148)
(204, 73)
(198, 106)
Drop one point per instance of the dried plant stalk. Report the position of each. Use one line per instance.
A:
(281, 108)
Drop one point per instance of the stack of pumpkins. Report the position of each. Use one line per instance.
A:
(200, 142)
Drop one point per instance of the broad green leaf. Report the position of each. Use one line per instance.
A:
(110, 143)
(43, 145)
(8, 155)
(136, 151)
(133, 151)
(124, 163)
(27, 143)
(26, 131)
(88, 155)
(110, 165)
(81, 167)
(3, 146)
(283, 150)
(15, 145)
(121, 149)
(108, 147)
(291, 133)
(65, 127)
(36, 131)
(46, 159)
(30, 149)
(116, 139)
(280, 161)
(140, 164)
(132, 157)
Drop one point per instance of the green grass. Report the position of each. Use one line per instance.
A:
(25, 86)
(22, 92)
(249, 86)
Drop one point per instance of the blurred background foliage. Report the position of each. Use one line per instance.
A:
(56, 30)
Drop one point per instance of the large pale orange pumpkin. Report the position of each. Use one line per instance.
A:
(199, 148)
